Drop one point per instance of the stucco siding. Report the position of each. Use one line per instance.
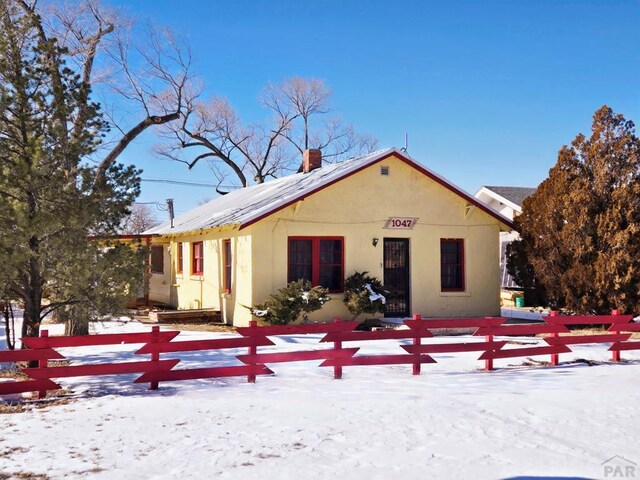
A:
(357, 209)
(188, 291)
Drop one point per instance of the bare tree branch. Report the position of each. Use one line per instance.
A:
(155, 77)
(129, 137)
(212, 130)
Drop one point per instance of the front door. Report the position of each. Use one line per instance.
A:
(396, 277)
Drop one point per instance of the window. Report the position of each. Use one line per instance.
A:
(452, 264)
(157, 259)
(318, 259)
(197, 258)
(180, 258)
(227, 266)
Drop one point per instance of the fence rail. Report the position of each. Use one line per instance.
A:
(558, 340)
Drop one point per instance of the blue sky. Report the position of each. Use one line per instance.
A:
(488, 91)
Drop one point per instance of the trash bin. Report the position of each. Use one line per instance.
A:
(519, 302)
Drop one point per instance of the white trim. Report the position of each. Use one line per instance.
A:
(499, 198)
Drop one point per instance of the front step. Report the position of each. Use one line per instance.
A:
(200, 315)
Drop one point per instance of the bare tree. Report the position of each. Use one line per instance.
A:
(151, 80)
(141, 218)
(304, 97)
(211, 130)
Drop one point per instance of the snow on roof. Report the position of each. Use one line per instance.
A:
(248, 205)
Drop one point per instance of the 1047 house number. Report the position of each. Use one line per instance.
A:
(401, 223)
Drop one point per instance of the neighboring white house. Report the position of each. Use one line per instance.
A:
(508, 202)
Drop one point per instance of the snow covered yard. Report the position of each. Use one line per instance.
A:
(453, 421)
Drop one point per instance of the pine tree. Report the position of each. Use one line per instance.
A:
(51, 198)
(580, 231)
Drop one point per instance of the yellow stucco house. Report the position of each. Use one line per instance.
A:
(434, 246)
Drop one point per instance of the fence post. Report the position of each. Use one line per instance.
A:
(417, 341)
(43, 364)
(488, 363)
(615, 355)
(253, 350)
(155, 356)
(337, 345)
(555, 358)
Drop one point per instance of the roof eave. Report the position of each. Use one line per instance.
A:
(501, 199)
(200, 231)
(138, 236)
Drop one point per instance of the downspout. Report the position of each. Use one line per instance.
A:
(147, 275)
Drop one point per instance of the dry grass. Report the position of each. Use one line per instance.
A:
(86, 472)
(14, 372)
(23, 476)
(530, 362)
(200, 327)
(451, 332)
(30, 400)
(13, 407)
(590, 331)
(28, 403)
(7, 453)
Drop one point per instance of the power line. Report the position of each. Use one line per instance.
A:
(158, 205)
(190, 184)
(179, 182)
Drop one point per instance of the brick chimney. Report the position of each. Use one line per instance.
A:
(311, 159)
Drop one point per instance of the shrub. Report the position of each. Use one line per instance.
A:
(286, 305)
(364, 294)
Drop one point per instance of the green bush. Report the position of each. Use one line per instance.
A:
(286, 305)
(364, 294)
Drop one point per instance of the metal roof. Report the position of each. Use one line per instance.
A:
(248, 205)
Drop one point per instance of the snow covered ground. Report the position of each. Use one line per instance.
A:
(453, 421)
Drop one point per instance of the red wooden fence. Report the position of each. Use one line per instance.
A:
(418, 353)
(155, 370)
(208, 372)
(335, 353)
(42, 350)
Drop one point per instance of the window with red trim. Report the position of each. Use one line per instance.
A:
(197, 258)
(317, 259)
(157, 259)
(452, 264)
(180, 258)
(227, 266)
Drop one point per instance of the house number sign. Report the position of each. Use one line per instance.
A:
(401, 223)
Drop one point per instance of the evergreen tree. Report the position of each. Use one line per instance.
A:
(580, 231)
(364, 294)
(51, 198)
(286, 305)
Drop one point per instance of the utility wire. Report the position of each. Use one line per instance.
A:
(190, 184)
(161, 206)
(158, 205)
(178, 182)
